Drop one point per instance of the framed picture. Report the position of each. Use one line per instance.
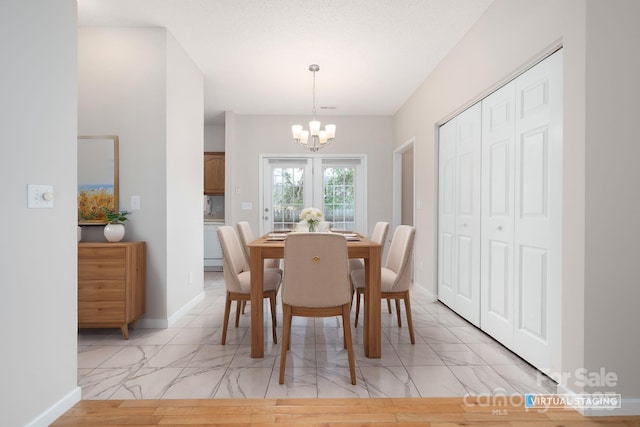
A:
(97, 178)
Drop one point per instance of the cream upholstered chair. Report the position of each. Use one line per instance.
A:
(246, 237)
(316, 284)
(379, 235)
(237, 278)
(395, 276)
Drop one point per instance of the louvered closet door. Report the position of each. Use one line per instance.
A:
(538, 214)
(459, 214)
(498, 133)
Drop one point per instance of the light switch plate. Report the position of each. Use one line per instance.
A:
(135, 203)
(39, 196)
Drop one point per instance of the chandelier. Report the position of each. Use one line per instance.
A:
(314, 138)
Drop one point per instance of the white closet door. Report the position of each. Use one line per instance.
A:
(459, 214)
(497, 293)
(538, 214)
(446, 212)
(467, 244)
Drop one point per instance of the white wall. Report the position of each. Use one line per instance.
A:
(38, 109)
(612, 279)
(185, 165)
(506, 39)
(138, 84)
(251, 135)
(214, 138)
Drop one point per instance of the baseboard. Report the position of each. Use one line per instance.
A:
(185, 309)
(628, 406)
(430, 295)
(147, 323)
(57, 409)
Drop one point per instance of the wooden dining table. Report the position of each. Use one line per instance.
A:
(266, 248)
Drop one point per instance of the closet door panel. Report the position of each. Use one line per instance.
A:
(532, 288)
(498, 124)
(538, 216)
(468, 173)
(446, 212)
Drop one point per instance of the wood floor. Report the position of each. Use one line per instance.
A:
(441, 412)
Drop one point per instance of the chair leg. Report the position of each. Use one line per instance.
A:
(407, 306)
(358, 293)
(272, 300)
(346, 325)
(286, 314)
(389, 305)
(227, 309)
(398, 313)
(238, 308)
(244, 305)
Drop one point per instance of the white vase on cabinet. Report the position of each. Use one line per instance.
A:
(114, 232)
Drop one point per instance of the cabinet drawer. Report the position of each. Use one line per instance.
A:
(107, 312)
(103, 263)
(101, 290)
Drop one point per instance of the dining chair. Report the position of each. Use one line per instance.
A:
(316, 284)
(237, 279)
(246, 236)
(379, 235)
(395, 276)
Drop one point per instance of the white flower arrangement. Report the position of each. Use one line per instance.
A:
(312, 216)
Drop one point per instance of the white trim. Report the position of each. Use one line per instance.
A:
(396, 217)
(152, 323)
(431, 297)
(173, 319)
(397, 181)
(57, 409)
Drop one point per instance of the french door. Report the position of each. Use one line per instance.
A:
(335, 185)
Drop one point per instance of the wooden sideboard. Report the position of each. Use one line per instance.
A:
(111, 284)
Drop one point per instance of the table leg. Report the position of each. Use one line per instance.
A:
(372, 319)
(257, 319)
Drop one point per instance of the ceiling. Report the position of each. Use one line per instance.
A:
(255, 54)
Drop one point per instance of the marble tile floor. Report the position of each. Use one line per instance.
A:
(450, 358)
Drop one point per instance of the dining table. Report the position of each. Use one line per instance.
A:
(271, 246)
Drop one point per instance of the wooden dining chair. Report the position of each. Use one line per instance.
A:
(316, 284)
(395, 276)
(237, 279)
(379, 235)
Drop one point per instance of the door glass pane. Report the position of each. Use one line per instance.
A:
(287, 196)
(339, 197)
